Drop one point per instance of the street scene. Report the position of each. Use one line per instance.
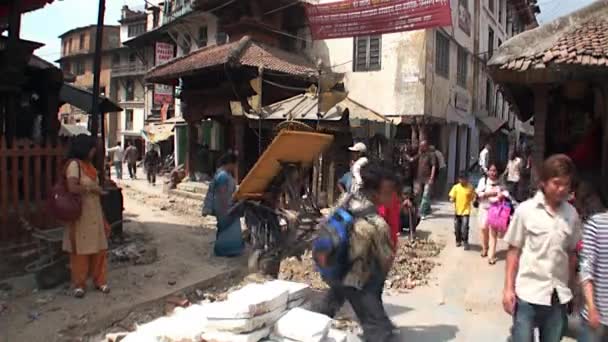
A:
(308, 170)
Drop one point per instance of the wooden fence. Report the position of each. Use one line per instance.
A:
(27, 172)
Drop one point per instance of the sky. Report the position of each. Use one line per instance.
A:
(45, 25)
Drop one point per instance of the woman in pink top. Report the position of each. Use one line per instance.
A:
(489, 191)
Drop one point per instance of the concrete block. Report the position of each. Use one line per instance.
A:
(291, 326)
(184, 325)
(250, 301)
(243, 325)
(221, 336)
(296, 290)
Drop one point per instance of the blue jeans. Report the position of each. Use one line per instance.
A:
(589, 334)
(549, 320)
(118, 167)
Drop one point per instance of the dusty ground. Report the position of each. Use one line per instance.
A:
(183, 245)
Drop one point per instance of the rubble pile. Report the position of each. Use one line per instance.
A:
(411, 267)
(270, 311)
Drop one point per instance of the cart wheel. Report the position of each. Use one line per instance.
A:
(53, 274)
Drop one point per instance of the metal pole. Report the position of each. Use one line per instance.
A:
(97, 117)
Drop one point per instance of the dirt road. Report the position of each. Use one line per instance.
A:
(184, 260)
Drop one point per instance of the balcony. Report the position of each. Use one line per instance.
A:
(132, 69)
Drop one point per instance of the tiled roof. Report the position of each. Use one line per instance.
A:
(246, 52)
(586, 44)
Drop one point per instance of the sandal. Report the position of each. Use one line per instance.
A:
(78, 293)
(484, 254)
(492, 261)
(105, 289)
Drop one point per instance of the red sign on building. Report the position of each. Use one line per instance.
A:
(350, 18)
(163, 93)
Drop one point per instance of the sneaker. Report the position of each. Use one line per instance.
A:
(458, 244)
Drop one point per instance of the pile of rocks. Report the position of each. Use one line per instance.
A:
(271, 311)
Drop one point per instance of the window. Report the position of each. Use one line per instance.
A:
(132, 57)
(499, 43)
(491, 5)
(155, 18)
(501, 4)
(116, 59)
(129, 90)
(70, 45)
(221, 38)
(136, 29)
(442, 55)
(367, 53)
(81, 42)
(202, 36)
(128, 119)
(489, 96)
(79, 68)
(462, 67)
(490, 42)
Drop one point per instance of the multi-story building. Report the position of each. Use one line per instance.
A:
(77, 55)
(496, 22)
(128, 69)
(423, 79)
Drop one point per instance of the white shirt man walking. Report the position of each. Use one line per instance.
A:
(484, 158)
(117, 158)
(359, 150)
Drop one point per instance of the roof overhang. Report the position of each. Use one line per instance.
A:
(83, 99)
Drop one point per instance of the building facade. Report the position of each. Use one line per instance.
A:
(429, 82)
(77, 55)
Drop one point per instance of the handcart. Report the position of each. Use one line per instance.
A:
(279, 210)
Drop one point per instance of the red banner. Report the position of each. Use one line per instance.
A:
(163, 93)
(351, 18)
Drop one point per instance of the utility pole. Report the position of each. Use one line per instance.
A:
(97, 117)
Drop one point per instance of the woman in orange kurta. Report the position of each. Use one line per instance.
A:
(86, 238)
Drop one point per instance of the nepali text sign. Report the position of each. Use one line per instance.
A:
(351, 18)
(163, 93)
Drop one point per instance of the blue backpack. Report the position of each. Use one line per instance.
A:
(330, 247)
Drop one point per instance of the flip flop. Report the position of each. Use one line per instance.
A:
(104, 289)
(492, 261)
(78, 293)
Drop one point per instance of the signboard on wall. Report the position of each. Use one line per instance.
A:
(163, 94)
(351, 18)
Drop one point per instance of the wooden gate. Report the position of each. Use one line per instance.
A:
(27, 171)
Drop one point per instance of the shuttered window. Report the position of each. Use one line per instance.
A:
(462, 67)
(442, 55)
(367, 53)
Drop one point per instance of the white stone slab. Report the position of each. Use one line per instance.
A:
(222, 336)
(249, 301)
(335, 335)
(183, 325)
(303, 325)
(243, 325)
(296, 290)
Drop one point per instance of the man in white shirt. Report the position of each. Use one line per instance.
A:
(484, 158)
(117, 158)
(358, 150)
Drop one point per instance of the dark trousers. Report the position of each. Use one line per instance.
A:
(549, 320)
(151, 173)
(132, 170)
(368, 306)
(513, 188)
(461, 228)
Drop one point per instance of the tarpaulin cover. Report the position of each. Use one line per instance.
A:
(351, 18)
(289, 147)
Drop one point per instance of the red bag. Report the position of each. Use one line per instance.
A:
(63, 204)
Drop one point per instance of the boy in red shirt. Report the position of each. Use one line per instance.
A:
(391, 214)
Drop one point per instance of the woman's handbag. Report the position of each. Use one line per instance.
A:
(499, 215)
(63, 204)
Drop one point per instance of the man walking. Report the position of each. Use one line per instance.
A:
(370, 256)
(117, 158)
(442, 168)
(541, 259)
(484, 159)
(425, 177)
(151, 164)
(131, 156)
(359, 151)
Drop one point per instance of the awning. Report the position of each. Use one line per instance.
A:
(83, 99)
(72, 130)
(305, 107)
(25, 6)
(157, 133)
(491, 124)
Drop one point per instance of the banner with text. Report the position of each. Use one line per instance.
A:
(351, 18)
(163, 93)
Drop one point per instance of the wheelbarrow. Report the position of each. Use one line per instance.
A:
(51, 268)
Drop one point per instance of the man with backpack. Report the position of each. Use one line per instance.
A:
(354, 253)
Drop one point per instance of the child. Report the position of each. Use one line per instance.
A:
(463, 195)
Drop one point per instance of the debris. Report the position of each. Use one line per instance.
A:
(149, 274)
(6, 287)
(171, 282)
(45, 299)
(3, 308)
(33, 316)
(116, 337)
